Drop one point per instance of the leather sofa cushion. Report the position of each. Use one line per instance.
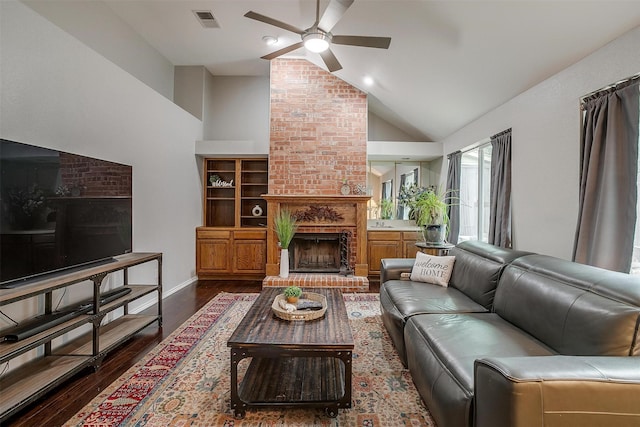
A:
(457, 340)
(441, 351)
(573, 308)
(478, 267)
(412, 298)
(401, 299)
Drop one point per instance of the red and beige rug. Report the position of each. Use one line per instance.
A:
(184, 381)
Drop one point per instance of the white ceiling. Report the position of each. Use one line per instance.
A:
(449, 62)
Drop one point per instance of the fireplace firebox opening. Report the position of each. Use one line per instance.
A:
(319, 253)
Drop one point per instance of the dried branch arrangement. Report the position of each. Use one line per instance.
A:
(317, 213)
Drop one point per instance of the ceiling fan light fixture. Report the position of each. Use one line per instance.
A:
(316, 42)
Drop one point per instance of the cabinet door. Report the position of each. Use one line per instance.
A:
(379, 249)
(213, 255)
(249, 256)
(409, 240)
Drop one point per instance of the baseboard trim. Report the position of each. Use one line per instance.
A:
(166, 294)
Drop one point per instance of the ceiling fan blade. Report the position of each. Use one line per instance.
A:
(274, 22)
(330, 61)
(332, 14)
(283, 51)
(364, 41)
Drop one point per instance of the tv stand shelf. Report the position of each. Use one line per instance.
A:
(33, 379)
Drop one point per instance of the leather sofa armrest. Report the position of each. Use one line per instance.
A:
(392, 268)
(557, 390)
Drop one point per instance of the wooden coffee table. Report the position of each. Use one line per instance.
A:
(294, 363)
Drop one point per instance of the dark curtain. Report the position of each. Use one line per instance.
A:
(608, 174)
(500, 193)
(453, 195)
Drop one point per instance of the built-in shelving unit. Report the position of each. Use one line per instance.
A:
(232, 239)
(233, 189)
(254, 183)
(33, 379)
(220, 199)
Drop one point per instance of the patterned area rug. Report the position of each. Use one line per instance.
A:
(185, 380)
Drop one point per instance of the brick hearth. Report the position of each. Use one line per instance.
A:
(306, 280)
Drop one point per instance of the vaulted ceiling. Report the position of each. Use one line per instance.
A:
(449, 62)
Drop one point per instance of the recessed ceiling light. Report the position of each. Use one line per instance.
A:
(368, 80)
(269, 40)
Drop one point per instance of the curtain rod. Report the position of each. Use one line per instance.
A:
(610, 87)
(501, 133)
(479, 144)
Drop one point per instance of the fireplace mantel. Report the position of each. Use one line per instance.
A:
(352, 209)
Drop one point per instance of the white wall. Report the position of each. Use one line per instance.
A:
(546, 145)
(381, 130)
(96, 25)
(188, 88)
(58, 93)
(237, 109)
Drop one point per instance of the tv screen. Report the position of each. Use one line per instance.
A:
(59, 210)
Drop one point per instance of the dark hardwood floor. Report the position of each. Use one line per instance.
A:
(55, 408)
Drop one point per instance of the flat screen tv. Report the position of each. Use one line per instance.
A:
(59, 211)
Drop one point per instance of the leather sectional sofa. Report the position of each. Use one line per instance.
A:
(518, 339)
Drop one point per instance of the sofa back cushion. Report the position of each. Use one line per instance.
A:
(573, 308)
(478, 267)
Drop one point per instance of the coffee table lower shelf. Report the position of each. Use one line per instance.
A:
(295, 381)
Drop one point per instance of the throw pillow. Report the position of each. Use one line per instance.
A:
(432, 269)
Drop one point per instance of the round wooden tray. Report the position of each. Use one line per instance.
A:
(300, 314)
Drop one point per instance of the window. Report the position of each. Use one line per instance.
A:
(407, 180)
(475, 186)
(387, 190)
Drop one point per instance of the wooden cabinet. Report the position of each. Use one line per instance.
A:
(382, 244)
(212, 251)
(232, 242)
(249, 251)
(231, 253)
(389, 244)
(62, 359)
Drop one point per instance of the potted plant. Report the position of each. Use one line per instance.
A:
(386, 209)
(429, 210)
(285, 228)
(292, 293)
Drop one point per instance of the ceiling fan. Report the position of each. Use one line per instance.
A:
(318, 38)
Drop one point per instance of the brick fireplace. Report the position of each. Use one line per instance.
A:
(318, 143)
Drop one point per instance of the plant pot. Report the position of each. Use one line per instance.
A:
(284, 263)
(434, 233)
(292, 300)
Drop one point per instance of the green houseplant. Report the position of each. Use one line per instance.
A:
(292, 293)
(429, 210)
(386, 209)
(285, 227)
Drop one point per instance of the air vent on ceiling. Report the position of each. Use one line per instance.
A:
(206, 18)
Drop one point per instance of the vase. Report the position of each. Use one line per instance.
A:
(434, 233)
(284, 263)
